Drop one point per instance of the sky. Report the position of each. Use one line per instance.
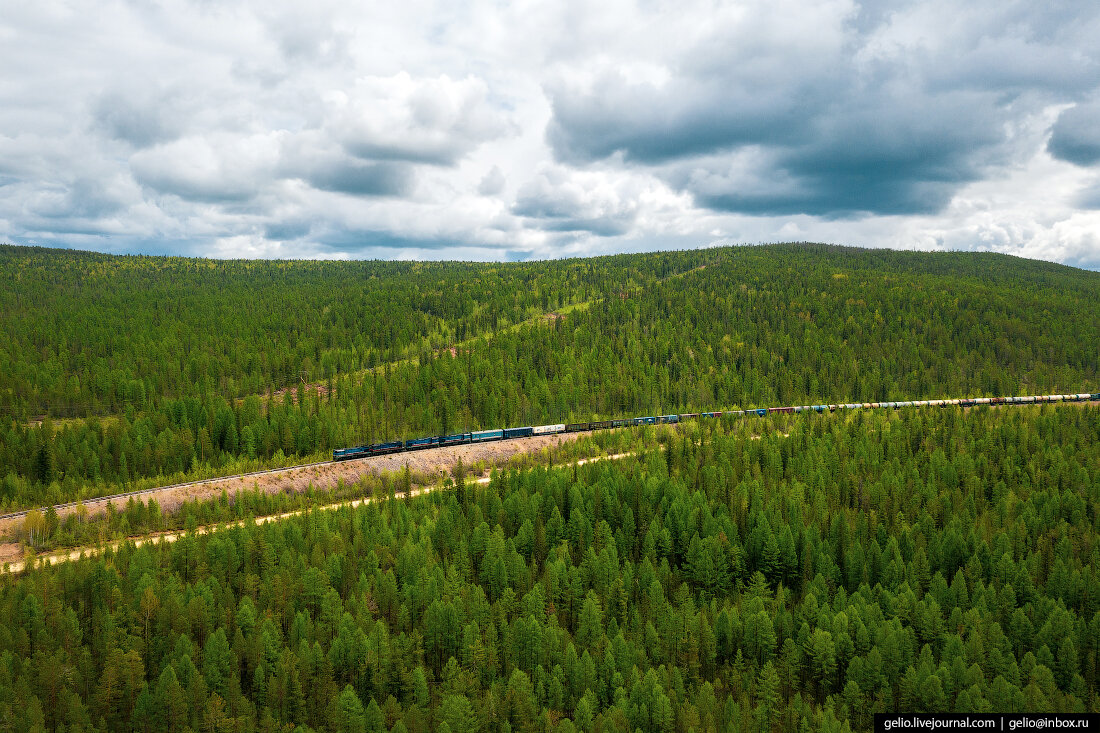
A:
(483, 130)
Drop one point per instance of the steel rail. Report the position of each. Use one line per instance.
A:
(749, 412)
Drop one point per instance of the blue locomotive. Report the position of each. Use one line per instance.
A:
(481, 436)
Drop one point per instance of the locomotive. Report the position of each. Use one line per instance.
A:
(482, 436)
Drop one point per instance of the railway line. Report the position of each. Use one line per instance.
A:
(155, 489)
(76, 553)
(361, 452)
(483, 436)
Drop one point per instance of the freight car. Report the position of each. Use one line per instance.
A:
(481, 436)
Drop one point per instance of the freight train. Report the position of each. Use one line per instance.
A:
(482, 436)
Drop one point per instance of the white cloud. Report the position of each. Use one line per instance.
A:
(432, 129)
(213, 168)
(435, 120)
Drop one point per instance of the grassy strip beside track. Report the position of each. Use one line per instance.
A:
(46, 532)
(37, 532)
(169, 536)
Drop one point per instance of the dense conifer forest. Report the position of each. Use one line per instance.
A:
(118, 369)
(792, 572)
(835, 566)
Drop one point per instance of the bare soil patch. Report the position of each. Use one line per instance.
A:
(432, 461)
(12, 562)
(10, 552)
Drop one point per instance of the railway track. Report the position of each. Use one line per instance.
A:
(967, 402)
(76, 553)
(155, 489)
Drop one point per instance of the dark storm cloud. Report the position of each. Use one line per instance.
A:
(429, 154)
(287, 230)
(1076, 135)
(364, 242)
(534, 202)
(141, 124)
(545, 129)
(650, 125)
(363, 179)
(834, 197)
(83, 199)
(208, 190)
(859, 131)
(599, 227)
(1089, 198)
(896, 155)
(1010, 65)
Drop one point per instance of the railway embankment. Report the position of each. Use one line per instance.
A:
(298, 479)
(11, 563)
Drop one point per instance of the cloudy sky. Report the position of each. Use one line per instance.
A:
(484, 130)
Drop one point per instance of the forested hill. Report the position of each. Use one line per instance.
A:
(174, 360)
(864, 562)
